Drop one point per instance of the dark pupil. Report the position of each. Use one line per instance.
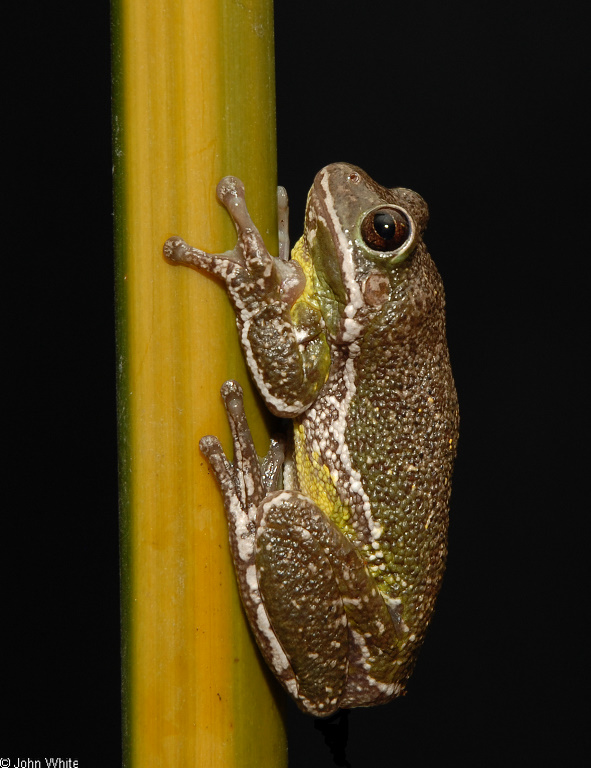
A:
(384, 225)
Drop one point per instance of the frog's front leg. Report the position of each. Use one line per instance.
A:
(314, 609)
(282, 357)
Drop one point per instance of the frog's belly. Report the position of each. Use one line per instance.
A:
(324, 469)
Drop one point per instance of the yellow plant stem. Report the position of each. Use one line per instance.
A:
(193, 101)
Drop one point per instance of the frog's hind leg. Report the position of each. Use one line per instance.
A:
(324, 607)
(285, 578)
(309, 598)
(295, 573)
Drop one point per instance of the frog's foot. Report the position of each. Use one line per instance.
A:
(249, 251)
(245, 483)
(248, 479)
(253, 277)
(230, 192)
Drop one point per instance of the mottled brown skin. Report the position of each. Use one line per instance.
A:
(407, 382)
(402, 421)
(402, 430)
(339, 571)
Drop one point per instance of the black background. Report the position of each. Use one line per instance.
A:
(478, 107)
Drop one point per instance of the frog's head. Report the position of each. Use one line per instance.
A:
(360, 237)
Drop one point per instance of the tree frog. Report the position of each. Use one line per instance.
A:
(338, 540)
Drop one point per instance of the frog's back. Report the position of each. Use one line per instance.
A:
(385, 430)
(402, 436)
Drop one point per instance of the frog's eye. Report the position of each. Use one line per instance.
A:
(386, 229)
